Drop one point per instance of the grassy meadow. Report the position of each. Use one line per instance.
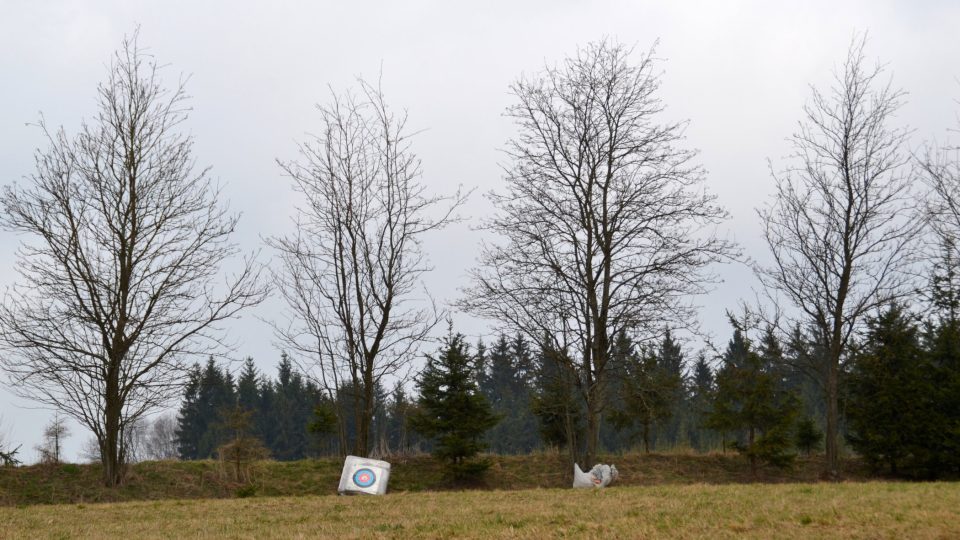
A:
(658, 495)
(81, 484)
(845, 510)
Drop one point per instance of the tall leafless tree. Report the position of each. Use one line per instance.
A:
(605, 222)
(351, 271)
(841, 225)
(119, 278)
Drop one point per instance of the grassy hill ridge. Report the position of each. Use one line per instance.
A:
(71, 483)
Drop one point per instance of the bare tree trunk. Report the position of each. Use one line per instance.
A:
(832, 471)
(593, 434)
(110, 449)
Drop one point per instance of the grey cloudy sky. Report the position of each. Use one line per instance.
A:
(739, 71)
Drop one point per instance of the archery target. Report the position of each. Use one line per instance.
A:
(364, 477)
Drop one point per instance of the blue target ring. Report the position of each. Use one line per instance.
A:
(364, 478)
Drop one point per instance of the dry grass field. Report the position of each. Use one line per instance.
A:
(847, 510)
(206, 479)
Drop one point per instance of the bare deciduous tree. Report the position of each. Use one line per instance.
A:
(160, 441)
(606, 224)
(840, 226)
(119, 283)
(243, 449)
(54, 433)
(350, 272)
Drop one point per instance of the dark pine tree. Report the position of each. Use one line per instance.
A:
(892, 411)
(671, 430)
(248, 397)
(809, 437)
(399, 408)
(265, 424)
(506, 387)
(700, 402)
(942, 337)
(216, 395)
(209, 391)
(453, 413)
(647, 389)
(248, 388)
(523, 422)
(554, 403)
(294, 401)
(190, 422)
(752, 402)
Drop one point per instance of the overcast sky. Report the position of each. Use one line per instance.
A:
(739, 71)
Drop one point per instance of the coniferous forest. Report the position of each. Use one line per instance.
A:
(754, 396)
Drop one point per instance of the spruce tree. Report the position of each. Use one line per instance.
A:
(505, 385)
(751, 401)
(701, 397)
(208, 391)
(647, 389)
(554, 402)
(453, 412)
(248, 391)
(265, 421)
(943, 346)
(190, 424)
(809, 437)
(523, 423)
(892, 409)
(398, 412)
(672, 365)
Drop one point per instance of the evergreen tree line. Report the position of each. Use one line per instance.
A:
(290, 415)
(282, 409)
(901, 397)
(657, 400)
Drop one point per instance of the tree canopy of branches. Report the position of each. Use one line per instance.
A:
(840, 228)
(941, 171)
(605, 224)
(119, 280)
(351, 270)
